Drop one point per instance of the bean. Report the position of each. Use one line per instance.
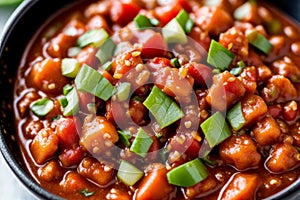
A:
(295, 47)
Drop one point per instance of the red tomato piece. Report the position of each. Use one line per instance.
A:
(123, 13)
(67, 130)
(71, 157)
(201, 73)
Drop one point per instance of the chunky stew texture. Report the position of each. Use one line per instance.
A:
(153, 99)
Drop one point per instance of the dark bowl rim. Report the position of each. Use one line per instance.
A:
(31, 185)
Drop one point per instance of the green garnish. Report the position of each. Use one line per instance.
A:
(70, 67)
(259, 41)
(162, 107)
(174, 33)
(219, 56)
(142, 22)
(63, 101)
(123, 91)
(95, 38)
(154, 21)
(73, 103)
(67, 88)
(107, 66)
(106, 51)
(206, 159)
(141, 143)
(91, 81)
(175, 63)
(73, 51)
(274, 26)
(87, 193)
(125, 136)
(242, 11)
(42, 107)
(215, 129)
(128, 173)
(237, 70)
(188, 174)
(235, 117)
(185, 21)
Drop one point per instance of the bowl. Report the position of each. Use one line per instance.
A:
(18, 31)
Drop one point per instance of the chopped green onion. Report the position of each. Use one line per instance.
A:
(154, 21)
(63, 101)
(70, 67)
(67, 88)
(73, 103)
(206, 159)
(91, 81)
(142, 22)
(106, 51)
(216, 71)
(141, 143)
(123, 91)
(175, 62)
(242, 11)
(128, 173)
(215, 129)
(219, 56)
(125, 136)
(235, 117)
(162, 107)
(237, 70)
(174, 33)
(87, 193)
(188, 174)
(137, 98)
(185, 21)
(107, 66)
(42, 107)
(259, 41)
(92, 108)
(95, 37)
(73, 51)
(274, 26)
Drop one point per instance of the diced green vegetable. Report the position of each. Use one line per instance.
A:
(87, 193)
(42, 107)
(206, 159)
(70, 67)
(95, 37)
(107, 66)
(154, 21)
(175, 62)
(125, 136)
(235, 117)
(92, 108)
(274, 26)
(67, 88)
(141, 143)
(242, 11)
(215, 129)
(73, 103)
(188, 174)
(185, 21)
(128, 173)
(174, 33)
(9, 2)
(142, 22)
(237, 70)
(73, 51)
(123, 91)
(219, 56)
(106, 51)
(162, 107)
(259, 41)
(63, 101)
(91, 81)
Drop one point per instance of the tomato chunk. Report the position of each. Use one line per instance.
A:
(123, 13)
(67, 130)
(201, 73)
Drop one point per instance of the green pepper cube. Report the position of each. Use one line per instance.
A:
(42, 107)
(235, 117)
(128, 173)
(219, 56)
(95, 38)
(215, 129)
(185, 21)
(174, 33)
(70, 67)
(91, 81)
(123, 91)
(188, 174)
(106, 51)
(72, 106)
(142, 22)
(162, 107)
(259, 41)
(142, 143)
